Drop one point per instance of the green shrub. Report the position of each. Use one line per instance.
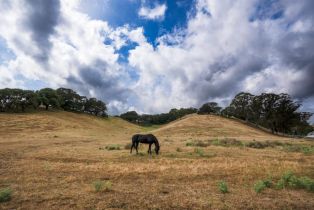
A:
(226, 142)
(201, 144)
(5, 194)
(260, 185)
(223, 187)
(102, 185)
(113, 147)
(199, 151)
(256, 145)
(288, 179)
(189, 144)
(215, 142)
(179, 149)
(128, 146)
(307, 183)
(307, 150)
(268, 183)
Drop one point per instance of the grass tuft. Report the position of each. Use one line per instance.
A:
(113, 147)
(290, 180)
(305, 149)
(5, 194)
(102, 185)
(199, 152)
(223, 187)
(260, 185)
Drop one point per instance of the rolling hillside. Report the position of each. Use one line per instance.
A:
(212, 126)
(52, 160)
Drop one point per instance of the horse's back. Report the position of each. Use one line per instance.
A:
(144, 138)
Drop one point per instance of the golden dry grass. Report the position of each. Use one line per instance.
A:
(51, 159)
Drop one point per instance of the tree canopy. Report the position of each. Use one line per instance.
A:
(18, 100)
(278, 112)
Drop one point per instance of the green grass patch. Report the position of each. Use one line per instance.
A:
(5, 194)
(226, 142)
(305, 149)
(112, 147)
(223, 187)
(289, 180)
(102, 185)
(150, 128)
(216, 142)
(199, 152)
(261, 185)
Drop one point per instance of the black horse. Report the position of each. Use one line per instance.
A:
(145, 139)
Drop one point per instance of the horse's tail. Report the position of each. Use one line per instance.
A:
(134, 138)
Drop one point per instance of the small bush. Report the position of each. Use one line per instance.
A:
(306, 183)
(189, 144)
(202, 144)
(226, 142)
(198, 143)
(5, 194)
(102, 185)
(113, 147)
(223, 187)
(260, 185)
(288, 179)
(307, 150)
(256, 145)
(199, 151)
(128, 146)
(179, 149)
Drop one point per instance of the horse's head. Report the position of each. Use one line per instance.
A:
(157, 149)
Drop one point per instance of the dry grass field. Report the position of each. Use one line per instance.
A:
(56, 160)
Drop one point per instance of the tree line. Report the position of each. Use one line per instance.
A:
(277, 112)
(19, 100)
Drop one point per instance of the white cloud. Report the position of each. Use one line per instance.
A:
(220, 53)
(155, 13)
(77, 56)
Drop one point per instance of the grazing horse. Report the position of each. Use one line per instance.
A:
(145, 139)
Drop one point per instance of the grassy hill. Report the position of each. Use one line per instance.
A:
(212, 126)
(56, 160)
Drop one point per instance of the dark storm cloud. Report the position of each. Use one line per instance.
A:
(96, 77)
(41, 18)
(294, 50)
(215, 83)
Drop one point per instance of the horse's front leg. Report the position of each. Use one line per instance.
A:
(150, 149)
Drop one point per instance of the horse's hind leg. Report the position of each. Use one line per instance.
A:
(136, 147)
(132, 147)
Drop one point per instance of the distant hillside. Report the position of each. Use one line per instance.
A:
(61, 122)
(211, 126)
(82, 125)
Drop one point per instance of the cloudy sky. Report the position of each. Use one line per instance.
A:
(153, 55)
